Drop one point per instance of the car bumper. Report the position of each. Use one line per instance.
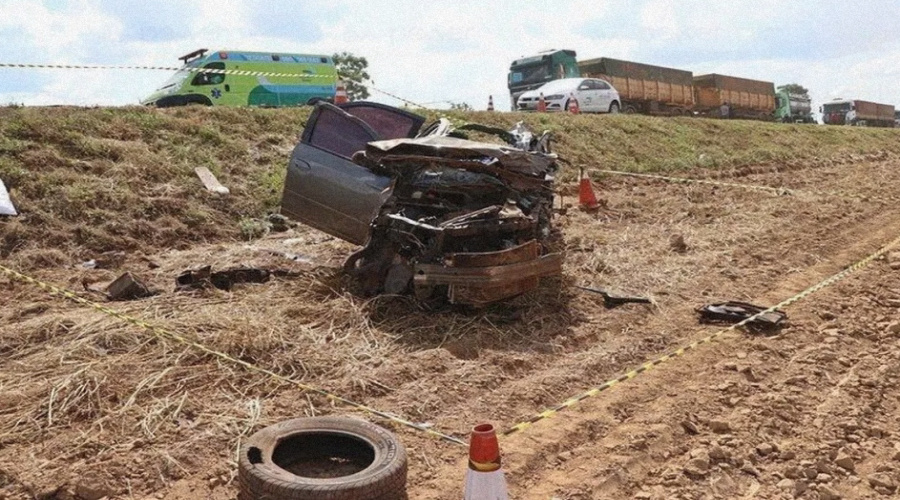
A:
(531, 105)
(482, 278)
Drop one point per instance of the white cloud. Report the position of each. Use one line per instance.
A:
(452, 51)
(218, 21)
(59, 34)
(659, 16)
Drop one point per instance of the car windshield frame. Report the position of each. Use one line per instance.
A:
(533, 73)
(836, 107)
(178, 78)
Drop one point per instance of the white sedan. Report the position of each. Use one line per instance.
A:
(593, 94)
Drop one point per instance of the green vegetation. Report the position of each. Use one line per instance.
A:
(794, 88)
(89, 180)
(352, 70)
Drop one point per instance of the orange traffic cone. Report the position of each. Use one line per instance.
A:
(586, 197)
(573, 105)
(490, 103)
(340, 94)
(484, 477)
(542, 104)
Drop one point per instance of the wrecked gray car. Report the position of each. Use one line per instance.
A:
(437, 215)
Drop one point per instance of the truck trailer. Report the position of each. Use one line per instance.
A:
(857, 112)
(747, 98)
(644, 88)
(656, 90)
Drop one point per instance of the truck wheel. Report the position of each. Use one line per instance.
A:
(322, 458)
(629, 110)
(614, 108)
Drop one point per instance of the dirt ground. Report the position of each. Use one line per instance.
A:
(91, 407)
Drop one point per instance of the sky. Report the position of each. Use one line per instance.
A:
(438, 52)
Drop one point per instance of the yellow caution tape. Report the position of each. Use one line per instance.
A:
(165, 334)
(194, 70)
(162, 68)
(550, 412)
(781, 191)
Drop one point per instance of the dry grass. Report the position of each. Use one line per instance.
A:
(101, 179)
(93, 180)
(83, 395)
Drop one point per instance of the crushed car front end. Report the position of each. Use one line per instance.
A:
(463, 221)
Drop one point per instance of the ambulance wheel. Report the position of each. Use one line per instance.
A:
(183, 100)
(322, 458)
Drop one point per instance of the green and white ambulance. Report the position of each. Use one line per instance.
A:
(273, 80)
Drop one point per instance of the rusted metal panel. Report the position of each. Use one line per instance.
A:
(714, 90)
(733, 83)
(436, 274)
(708, 96)
(526, 251)
(486, 284)
(643, 82)
(633, 89)
(479, 294)
(866, 110)
(635, 70)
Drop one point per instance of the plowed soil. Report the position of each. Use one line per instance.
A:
(92, 407)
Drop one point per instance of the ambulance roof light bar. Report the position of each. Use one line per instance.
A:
(193, 55)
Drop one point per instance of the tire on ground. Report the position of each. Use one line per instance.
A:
(262, 476)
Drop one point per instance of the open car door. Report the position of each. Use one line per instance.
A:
(323, 188)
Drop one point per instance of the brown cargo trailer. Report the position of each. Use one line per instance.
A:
(856, 112)
(748, 98)
(644, 88)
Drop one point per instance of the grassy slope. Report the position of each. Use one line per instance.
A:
(98, 179)
(91, 180)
